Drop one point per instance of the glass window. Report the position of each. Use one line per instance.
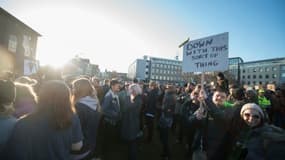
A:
(243, 71)
(248, 82)
(254, 76)
(260, 69)
(260, 82)
(283, 75)
(254, 70)
(243, 77)
(260, 76)
(248, 76)
(266, 69)
(274, 75)
(274, 69)
(267, 76)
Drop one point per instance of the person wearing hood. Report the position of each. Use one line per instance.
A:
(87, 107)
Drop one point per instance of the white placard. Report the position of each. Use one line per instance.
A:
(206, 54)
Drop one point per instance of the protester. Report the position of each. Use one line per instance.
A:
(87, 107)
(111, 121)
(26, 100)
(7, 121)
(222, 82)
(166, 119)
(51, 131)
(130, 127)
(150, 109)
(213, 123)
(261, 141)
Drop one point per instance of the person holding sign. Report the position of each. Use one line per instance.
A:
(212, 125)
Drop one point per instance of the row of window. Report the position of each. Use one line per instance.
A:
(166, 78)
(260, 82)
(166, 62)
(260, 76)
(166, 66)
(261, 69)
(159, 71)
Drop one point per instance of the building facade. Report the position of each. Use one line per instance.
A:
(156, 69)
(20, 42)
(262, 72)
(234, 67)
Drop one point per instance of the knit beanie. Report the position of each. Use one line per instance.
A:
(251, 106)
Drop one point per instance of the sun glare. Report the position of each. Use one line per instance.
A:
(96, 35)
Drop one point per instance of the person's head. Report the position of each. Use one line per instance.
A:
(261, 92)
(135, 89)
(252, 115)
(115, 85)
(238, 94)
(55, 101)
(170, 88)
(95, 81)
(219, 97)
(194, 96)
(220, 78)
(107, 82)
(152, 85)
(251, 96)
(81, 88)
(7, 97)
(26, 99)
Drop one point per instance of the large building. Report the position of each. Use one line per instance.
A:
(262, 72)
(18, 42)
(156, 69)
(234, 67)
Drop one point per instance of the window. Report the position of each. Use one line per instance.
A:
(243, 71)
(254, 76)
(283, 75)
(260, 69)
(274, 75)
(260, 82)
(266, 69)
(274, 69)
(260, 76)
(254, 70)
(248, 77)
(243, 77)
(267, 76)
(248, 82)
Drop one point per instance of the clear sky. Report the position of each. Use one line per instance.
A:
(113, 33)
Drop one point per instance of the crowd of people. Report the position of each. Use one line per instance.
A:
(77, 118)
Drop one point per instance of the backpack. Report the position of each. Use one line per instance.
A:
(274, 142)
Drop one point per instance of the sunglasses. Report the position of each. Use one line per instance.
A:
(247, 115)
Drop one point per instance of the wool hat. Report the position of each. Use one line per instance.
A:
(252, 106)
(7, 91)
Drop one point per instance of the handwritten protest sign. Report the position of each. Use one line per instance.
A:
(206, 54)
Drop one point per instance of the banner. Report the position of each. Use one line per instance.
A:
(206, 54)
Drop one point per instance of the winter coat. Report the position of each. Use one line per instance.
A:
(87, 110)
(130, 121)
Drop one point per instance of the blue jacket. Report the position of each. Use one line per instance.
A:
(111, 107)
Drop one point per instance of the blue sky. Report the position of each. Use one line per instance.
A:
(115, 33)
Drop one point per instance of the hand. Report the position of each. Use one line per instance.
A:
(202, 95)
(132, 97)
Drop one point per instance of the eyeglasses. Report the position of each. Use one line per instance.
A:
(247, 115)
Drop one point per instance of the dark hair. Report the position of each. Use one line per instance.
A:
(221, 75)
(54, 100)
(114, 82)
